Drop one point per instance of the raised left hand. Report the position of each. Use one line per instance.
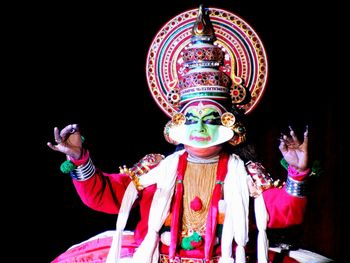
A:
(294, 151)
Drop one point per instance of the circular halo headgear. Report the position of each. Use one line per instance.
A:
(209, 56)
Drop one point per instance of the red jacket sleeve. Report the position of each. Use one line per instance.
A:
(102, 192)
(284, 209)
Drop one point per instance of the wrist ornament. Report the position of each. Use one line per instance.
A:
(83, 172)
(296, 188)
(296, 184)
(70, 164)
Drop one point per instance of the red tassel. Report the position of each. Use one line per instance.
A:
(176, 211)
(213, 211)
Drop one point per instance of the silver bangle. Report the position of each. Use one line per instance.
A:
(296, 188)
(83, 172)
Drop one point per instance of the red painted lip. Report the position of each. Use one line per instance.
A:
(200, 139)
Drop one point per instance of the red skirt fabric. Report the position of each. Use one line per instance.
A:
(95, 250)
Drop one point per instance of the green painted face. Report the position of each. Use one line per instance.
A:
(202, 126)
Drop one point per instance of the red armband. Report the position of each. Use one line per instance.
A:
(83, 159)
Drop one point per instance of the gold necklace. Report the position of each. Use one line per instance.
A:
(199, 181)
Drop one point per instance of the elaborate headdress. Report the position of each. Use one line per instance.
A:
(207, 56)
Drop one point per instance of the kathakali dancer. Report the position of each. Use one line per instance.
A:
(206, 69)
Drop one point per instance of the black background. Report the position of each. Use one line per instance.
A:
(85, 63)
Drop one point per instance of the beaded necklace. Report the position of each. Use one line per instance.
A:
(177, 207)
(199, 183)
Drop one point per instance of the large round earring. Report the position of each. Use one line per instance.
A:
(178, 119)
(228, 119)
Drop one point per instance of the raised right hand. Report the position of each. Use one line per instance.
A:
(68, 141)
